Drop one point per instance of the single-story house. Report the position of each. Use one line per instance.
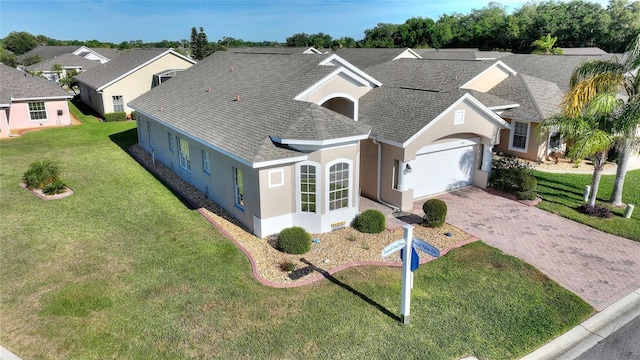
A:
(292, 140)
(107, 88)
(70, 65)
(103, 55)
(28, 101)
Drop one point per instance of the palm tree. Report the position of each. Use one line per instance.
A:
(57, 68)
(598, 83)
(544, 46)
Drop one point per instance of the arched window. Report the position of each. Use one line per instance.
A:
(339, 186)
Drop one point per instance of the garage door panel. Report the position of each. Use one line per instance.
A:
(442, 170)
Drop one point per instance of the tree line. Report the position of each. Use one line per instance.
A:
(573, 24)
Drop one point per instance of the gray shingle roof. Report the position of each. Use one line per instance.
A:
(553, 68)
(271, 50)
(364, 58)
(267, 85)
(583, 51)
(64, 60)
(20, 85)
(396, 114)
(537, 98)
(100, 76)
(48, 52)
(434, 75)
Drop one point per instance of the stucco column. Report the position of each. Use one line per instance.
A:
(402, 176)
(487, 155)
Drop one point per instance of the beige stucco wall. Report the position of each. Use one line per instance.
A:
(536, 148)
(139, 82)
(18, 116)
(339, 84)
(488, 79)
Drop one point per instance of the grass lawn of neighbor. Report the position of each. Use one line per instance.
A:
(563, 195)
(124, 269)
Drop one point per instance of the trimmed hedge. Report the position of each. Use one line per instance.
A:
(435, 212)
(115, 116)
(370, 221)
(294, 240)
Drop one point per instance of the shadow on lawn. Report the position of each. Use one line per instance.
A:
(310, 267)
(125, 139)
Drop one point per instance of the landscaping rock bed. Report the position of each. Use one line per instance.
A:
(329, 252)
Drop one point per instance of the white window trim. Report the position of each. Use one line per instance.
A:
(513, 132)
(318, 187)
(113, 103)
(46, 111)
(328, 183)
(187, 162)
(236, 187)
(206, 162)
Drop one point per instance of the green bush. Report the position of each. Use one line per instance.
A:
(294, 240)
(133, 115)
(115, 116)
(435, 212)
(526, 195)
(41, 174)
(370, 221)
(56, 187)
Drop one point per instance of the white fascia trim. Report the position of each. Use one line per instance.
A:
(312, 50)
(77, 51)
(43, 98)
(503, 107)
(319, 142)
(279, 162)
(498, 63)
(170, 51)
(497, 120)
(5, 105)
(349, 66)
(376, 138)
(328, 78)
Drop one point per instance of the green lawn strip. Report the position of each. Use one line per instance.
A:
(563, 194)
(123, 269)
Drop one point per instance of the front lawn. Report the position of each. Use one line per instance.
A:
(124, 269)
(563, 194)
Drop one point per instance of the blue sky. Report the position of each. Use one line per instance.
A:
(254, 20)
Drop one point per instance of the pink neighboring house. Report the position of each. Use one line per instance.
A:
(28, 101)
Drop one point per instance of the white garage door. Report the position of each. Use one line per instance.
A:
(442, 168)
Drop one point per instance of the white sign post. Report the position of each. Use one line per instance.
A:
(407, 272)
(406, 275)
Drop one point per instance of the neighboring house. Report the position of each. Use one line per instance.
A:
(282, 141)
(288, 50)
(108, 87)
(28, 101)
(103, 55)
(71, 65)
(365, 58)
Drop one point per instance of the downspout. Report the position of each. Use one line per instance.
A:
(7, 122)
(378, 182)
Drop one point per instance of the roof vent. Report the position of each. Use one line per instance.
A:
(209, 89)
(237, 97)
(231, 69)
(160, 108)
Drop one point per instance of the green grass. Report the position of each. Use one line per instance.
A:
(123, 269)
(563, 194)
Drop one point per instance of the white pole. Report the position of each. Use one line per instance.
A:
(406, 274)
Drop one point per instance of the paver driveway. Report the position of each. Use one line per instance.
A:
(599, 267)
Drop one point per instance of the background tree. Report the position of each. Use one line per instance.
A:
(57, 68)
(199, 45)
(30, 60)
(19, 42)
(544, 46)
(70, 81)
(624, 24)
(8, 58)
(381, 36)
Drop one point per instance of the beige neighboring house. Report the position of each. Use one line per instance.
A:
(108, 87)
(28, 101)
(70, 65)
(295, 140)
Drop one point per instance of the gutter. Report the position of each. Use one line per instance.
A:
(378, 182)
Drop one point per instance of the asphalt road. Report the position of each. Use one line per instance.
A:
(623, 344)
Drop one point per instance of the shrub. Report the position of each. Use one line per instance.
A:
(115, 116)
(597, 210)
(56, 187)
(435, 212)
(294, 240)
(370, 221)
(526, 195)
(507, 174)
(287, 266)
(133, 115)
(41, 174)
